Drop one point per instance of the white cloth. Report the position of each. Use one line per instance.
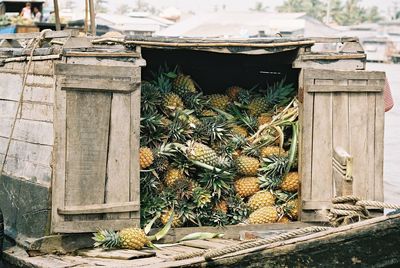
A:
(27, 13)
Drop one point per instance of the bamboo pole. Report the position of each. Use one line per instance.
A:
(86, 29)
(92, 18)
(57, 15)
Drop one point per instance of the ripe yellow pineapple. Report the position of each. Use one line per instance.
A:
(247, 165)
(257, 106)
(146, 157)
(166, 214)
(247, 186)
(264, 215)
(291, 182)
(208, 113)
(202, 153)
(239, 130)
(261, 199)
(284, 219)
(293, 209)
(221, 206)
(173, 175)
(219, 101)
(233, 92)
(172, 102)
(183, 84)
(272, 150)
(133, 238)
(264, 119)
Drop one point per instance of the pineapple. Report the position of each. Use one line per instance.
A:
(261, 199)
(233, 92)
(272, 150)
(172, 102)
(290, 182)
(221, 206)
(219, 101)
(208, 113)
(284, 219)
(264, 215)
(130, 238)
(292, 208)
(176, 222)
(263, 119)
(240, 131)
(146, 157)
(133, 238)
(258, 106)
(183, 84)
(247, 165)
(173, 176)
(201, 197)
(247, 186)
(202, 153)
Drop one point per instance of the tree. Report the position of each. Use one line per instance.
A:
(259, 7)
(313, 8)
(123, 9)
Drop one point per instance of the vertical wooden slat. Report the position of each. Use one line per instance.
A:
(340, 126)
(358, 121)
(59, 155)
(117, 186)
(322, 148)
(370, 166)
(306, 137)
(134, 147)
(379, 145)
(88, 118)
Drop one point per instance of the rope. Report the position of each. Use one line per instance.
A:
(349, 209)
(213, 253)
(33, 43)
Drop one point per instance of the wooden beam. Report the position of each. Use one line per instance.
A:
(57, 15)
(92, 18)
(102, 208)
(86, 29)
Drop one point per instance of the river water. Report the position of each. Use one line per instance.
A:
(392, 134)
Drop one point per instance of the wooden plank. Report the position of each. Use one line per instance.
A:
(59, 174)
(97, 84)
(30, 111)
(120, 254)
(322, 149)
(350, 64)
(88, 118)
(340, 129)
(332, 56)
(370, 142)
(102, 54)
(344, 88)
(118, 180)
(134, 171)
(315, 204)
(358, 121)
(342, 75)
(47, 35)
(37, 132)
(102, 208)
(379, 145)
(306, 118)
(91, 225)
(99, 71)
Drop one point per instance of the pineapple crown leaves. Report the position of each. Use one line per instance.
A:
(179, 131)
(107, 239)
(280, 93)
(150, 97)
(219, 183)
(201, 196)
(195, 101)
(274, 166)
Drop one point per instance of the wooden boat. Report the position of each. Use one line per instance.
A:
(370, 243)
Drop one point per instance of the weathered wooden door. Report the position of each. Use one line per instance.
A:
(342, 125)
(97, 127)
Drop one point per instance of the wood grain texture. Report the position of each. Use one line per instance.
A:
(379, 145)
(88, 118)
(102, 208)
(119, 154)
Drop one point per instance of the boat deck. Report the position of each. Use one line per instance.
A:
(371, 242)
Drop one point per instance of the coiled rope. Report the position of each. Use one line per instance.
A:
(213, 253)
(349, 209)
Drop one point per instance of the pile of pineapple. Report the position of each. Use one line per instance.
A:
(219, 159)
